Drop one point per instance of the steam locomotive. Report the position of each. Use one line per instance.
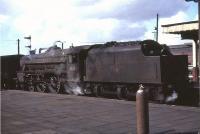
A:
(115, 68)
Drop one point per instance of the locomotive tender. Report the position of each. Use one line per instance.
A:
(9, 66)
(111, 68)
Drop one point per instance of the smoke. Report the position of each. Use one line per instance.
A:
(172, 98)
(73, 88)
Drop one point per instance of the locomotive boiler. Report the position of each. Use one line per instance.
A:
(111, 68)
(53, 71)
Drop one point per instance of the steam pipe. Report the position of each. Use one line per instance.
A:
(40, 50)
(59, 42)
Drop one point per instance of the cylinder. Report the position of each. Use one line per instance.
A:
(142, 111)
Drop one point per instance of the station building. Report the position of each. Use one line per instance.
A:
(187, 30)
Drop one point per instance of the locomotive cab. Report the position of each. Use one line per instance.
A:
(74, 70)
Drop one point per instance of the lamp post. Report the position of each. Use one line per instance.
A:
(197, 70)
(18, 46)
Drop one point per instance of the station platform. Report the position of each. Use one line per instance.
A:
(25, 112)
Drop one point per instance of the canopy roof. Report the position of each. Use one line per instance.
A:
(188, 30)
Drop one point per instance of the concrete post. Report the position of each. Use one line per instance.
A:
(198, 53)
(142, 111)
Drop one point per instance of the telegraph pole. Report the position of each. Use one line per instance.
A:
(18, 46)
(157, 28)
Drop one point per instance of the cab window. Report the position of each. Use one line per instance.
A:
(72, 59)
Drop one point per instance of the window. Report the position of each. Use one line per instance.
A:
(72, 59)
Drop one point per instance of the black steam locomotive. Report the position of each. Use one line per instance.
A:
(102, 69)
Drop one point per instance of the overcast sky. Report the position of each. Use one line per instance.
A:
(87, 21)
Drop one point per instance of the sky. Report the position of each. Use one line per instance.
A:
(82, 22)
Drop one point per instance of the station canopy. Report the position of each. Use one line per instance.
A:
(188, 30)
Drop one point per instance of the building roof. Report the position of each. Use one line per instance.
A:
(177, 28)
